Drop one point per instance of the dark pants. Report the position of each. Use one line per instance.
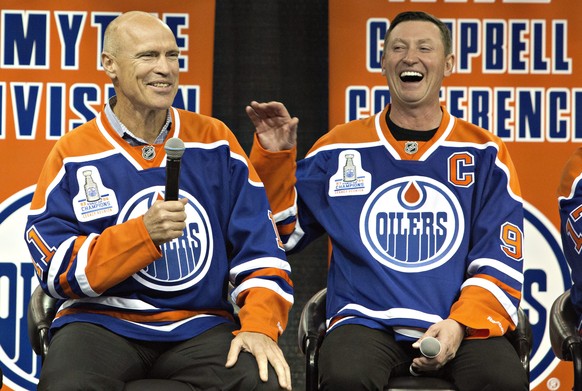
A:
(87, 357)
(356, 358)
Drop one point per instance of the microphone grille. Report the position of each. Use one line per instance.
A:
(174, 148)
(430, 347)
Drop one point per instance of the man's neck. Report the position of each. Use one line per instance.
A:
(420, 119)
(145, 125)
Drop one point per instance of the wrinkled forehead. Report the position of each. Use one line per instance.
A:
(148, 36)
(415, 30)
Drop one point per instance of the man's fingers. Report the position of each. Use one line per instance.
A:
(233, 352)
(263, 364)
(253, 116)
(283, 372)
(266, 352)
(269, 110)
(276, 109)
(294, 122)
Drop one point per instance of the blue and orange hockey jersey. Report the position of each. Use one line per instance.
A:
(570, 206)
(90, 247)
(419, 231)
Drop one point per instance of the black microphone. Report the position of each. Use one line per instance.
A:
(174, 150)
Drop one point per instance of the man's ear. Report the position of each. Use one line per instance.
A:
(449, 64)
(382, 64)
(108, 64)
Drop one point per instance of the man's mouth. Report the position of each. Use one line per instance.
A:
(411, 76)
(160, 85)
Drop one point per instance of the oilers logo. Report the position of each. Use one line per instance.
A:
(402, 228)
(20, 365)
(185, 260)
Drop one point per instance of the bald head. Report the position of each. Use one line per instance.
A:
(141, 57)
(127, 24)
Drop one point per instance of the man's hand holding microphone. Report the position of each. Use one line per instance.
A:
(166, 220)
(437, 346)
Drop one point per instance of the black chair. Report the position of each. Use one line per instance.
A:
(566, 342)
(312, 330)
(40, 315)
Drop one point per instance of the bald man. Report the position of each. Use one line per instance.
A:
(142, 282)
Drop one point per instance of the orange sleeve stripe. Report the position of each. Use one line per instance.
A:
(479, 310)
(270, 272)
(264, 312)
(63, 282)
(511, 291)
(286, 229)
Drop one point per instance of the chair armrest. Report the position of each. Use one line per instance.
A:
(563, 333)
(40, 315)
(565, 339)
(522, 338)
(312, 322)
(310, 335)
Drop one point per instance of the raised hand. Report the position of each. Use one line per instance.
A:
(275, 128)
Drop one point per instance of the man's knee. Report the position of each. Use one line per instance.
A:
(492, 380)
(271, 385)
(513, 383)
(346, 382)
(339, 375)
(253, 381)
(77, 381)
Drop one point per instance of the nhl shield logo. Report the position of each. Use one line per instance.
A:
(411, 147)
(148, 152)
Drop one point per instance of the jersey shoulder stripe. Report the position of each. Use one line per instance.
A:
(357, 132)
(194, 127)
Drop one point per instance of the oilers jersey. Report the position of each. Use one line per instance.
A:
(570, 206)
(419, 231)
(91, 250)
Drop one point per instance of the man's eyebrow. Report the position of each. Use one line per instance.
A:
(147, 52)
